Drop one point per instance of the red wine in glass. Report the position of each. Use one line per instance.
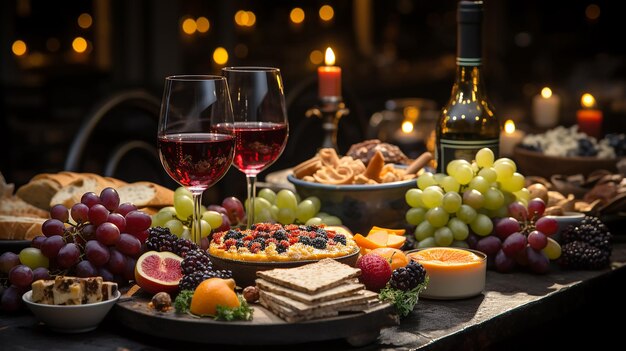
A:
(196, 160)
(258, 145)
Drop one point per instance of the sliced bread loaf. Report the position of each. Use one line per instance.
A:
(19, 228)
(146, 194)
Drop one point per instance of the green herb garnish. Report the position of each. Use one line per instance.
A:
(183, 301)
(403, 301)
(242, 313)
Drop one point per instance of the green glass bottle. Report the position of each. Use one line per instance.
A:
(467, 122)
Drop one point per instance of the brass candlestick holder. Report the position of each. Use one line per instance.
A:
(331, 111)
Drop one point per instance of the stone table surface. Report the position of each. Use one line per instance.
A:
(561, 308)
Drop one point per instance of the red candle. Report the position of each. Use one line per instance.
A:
(589, 118)
(329, 77)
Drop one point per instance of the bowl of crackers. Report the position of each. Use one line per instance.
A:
(361, 194)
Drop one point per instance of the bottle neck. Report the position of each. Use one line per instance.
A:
(468, 83)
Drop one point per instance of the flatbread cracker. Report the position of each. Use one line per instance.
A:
(326, 295)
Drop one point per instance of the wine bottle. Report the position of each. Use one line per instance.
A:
(467, 122)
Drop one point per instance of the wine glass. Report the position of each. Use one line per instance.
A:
(193, 147)
(261, 126)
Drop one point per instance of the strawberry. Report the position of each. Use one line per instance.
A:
(375, 271)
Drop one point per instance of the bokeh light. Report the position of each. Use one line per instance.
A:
(84, 20)
(220, 56)
(79, 44)
(296, 15)
(19, 48)
(326, 13)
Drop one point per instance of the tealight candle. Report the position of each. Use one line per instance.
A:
(546, 109)
(510, 138)
(589, 118)
(329, 76)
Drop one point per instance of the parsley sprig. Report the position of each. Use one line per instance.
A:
(403, 301)
(243, 312)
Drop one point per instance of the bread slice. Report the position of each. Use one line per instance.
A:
(339, 291)
(311, 278)
(62, 178)
(14, 206)
(19, 228)
(39, 192)
(146, 194)
(71, 193)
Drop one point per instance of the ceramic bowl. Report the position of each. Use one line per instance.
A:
(564, 221)
(533, 163)
(244, 272)
(70, 319)
(360, 207)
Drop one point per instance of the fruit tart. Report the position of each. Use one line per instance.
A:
(273, 242)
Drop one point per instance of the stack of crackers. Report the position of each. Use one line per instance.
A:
(316, 290)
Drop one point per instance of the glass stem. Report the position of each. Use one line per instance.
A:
(196, 217)
(251, 180)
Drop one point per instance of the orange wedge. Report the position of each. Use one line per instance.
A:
(379, 239)
(396, 241)
(388, 230)
(366, 242)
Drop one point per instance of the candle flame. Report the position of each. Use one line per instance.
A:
(330, 57)
(587, 100)
(509, 127)
(546, 93)
(407, 127)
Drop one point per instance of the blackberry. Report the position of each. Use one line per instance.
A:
(319, 243)
(233, 234)
(239, 243)
(182, 246)
(196, 260)
(160, 239)
(321, 233)
(305, 240)
(408, 277)
(590, 230)
(282, 246)
(581, 255)
(258, 240)
(340, 238)
(280, 235)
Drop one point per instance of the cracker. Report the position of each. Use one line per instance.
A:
(357, 298)
(311, 278)
(326, 295)
(288, 315)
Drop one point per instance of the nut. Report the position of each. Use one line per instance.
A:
(251, 293)
(161, 301)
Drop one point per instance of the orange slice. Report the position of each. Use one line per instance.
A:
(366, 242)
(388, 230)
(379, 239)
(446, 256)
(396, 241)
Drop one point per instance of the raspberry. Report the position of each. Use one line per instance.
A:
(254, 247)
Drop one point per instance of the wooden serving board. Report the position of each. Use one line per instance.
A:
(358, 328)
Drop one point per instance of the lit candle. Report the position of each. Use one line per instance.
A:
(329, 76)
(510, 138)
(589, 118)
(546, 109)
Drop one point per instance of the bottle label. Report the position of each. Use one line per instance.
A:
(451, 149)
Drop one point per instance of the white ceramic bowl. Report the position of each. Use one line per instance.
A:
(565, 221)
(70, 319)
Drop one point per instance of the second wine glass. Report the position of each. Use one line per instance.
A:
(261, 125)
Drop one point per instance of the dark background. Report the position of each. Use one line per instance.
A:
(47, 94)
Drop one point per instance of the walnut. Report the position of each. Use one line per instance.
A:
(251, 293)
(161, 301)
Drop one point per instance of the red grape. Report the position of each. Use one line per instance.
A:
(86, 269)
(118, 220)
(52, 227)
(472, 240)
(51, 246)
(60, 212)
(137, 221)
(110, 198)
(8, 260)
(125, 208)
(97, 253)
(518, 211)
(521, 258)
(217, 208)
(225, 224)
(536, 207)
(105, 274)
(490, 245)
(90, 199)
(537, 261)
(128, 245)
(204, 243)
(513, 244)
(68, 256)
(117, 262)
(129, 269)
(21, 276)
(142, 236)
(506, 226)
(234, 209)
(80, 213)
(11, 299)
(98, 214)
(537, 240)
(40, 273)
(37, 241)
(547, 225)
(89, 232)
(107, 233)
(503, 262)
